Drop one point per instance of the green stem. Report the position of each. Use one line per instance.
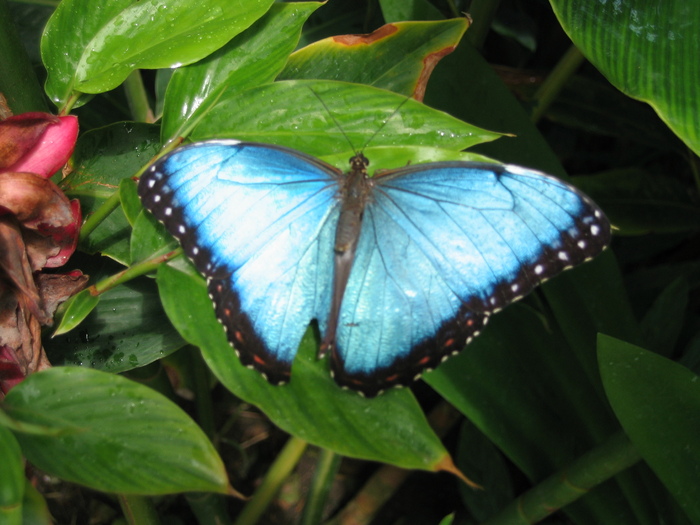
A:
(482, 13)
(326, 468)
(590, 470)
(137, 98)
(18, 83)
(208, 508)
(138, 510)
(555, 81)
(100, 214)
(453, 9)
(279, 471)
(134, 271)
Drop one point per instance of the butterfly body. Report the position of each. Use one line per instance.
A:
(400, 270)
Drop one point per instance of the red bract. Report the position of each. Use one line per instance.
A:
(39, 228)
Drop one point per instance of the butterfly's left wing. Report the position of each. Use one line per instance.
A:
(442, 247)
(258, 221)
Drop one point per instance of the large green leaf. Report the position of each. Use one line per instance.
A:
(126, 329)
(638, 202)
(391, 428)
(658, 402)
(252, 58)
(102, 159)
(12, 479)
(333, 117)
(399, 57)
(91, 47)
(116, 435)
(647, 49)
(505, 382)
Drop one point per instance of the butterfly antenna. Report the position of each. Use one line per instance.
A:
(385, 122)
(337, 124)
(343, 132)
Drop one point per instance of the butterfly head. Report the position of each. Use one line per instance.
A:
(359, 162)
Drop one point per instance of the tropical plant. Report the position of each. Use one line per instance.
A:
(582, 400)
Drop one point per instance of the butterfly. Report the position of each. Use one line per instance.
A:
(400, 270)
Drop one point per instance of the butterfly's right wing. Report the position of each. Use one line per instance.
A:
(259, 222)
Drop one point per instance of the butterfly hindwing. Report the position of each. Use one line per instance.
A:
(442, 247)
(258, 222)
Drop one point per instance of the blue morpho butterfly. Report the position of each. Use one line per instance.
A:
(400, 270)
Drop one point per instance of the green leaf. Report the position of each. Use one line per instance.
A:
(638, 202)
(594, 106)
(149, 237)
(403, 155)
(120, 435)
(409, 10)
(663, 322)
(488, 103)
(129, 198)
(399, 57)
(493, 387)
(102, 159)
(657, 401)
(91, 47)
(361, 114)
(77, 308)
(480, 460)
(12, 479)
(252, 58)
(391, 428)
(647, 49)
(127, 329)
(518, 350)
(34, 509)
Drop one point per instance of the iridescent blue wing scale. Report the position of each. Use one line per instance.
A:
(442, 247)
(258, 221)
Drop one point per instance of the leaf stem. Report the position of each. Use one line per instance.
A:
(555, 81)
(100, 214)
(482, 13)
(603, 462)
(134, 271)
(326, 468)
(279, 471)
(137, 98)
(138, 510)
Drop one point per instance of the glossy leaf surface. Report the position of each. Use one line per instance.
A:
(92, 48)
(252, 58)
(647, 49)
(125, 330)
(360, 111)
(102, 159)
(311, 406)
(117, 435)
(399, 57)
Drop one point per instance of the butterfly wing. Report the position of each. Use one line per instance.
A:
(258, 221)
(442, 247)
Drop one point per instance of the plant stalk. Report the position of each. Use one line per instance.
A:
(590, 470)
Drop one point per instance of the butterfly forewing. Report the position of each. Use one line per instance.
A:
(258, 222)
